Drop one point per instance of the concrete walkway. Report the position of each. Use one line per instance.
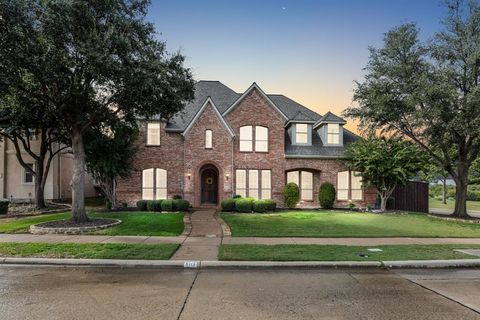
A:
(204, 239)
(349, 241)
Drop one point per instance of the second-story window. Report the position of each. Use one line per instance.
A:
(301, 133)
(153, 133)
(333, 133)
(261, 139)
(246, 136)
(208, 139)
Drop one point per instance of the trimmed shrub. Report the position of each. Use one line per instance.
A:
(228, 205)
(177, 196)
(150, 205)
(237, 196)
(271, 205)
(260, 206)
(157, 205)
(244, 204)
(142, 205)
(291, 194)
(181, 205)
(167, 205)
(326, 195)
(4, 203)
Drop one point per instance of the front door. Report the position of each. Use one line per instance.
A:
(209, 186)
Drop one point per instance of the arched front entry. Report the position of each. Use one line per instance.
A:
(209, 185)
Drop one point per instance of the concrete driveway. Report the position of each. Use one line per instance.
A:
(91, 293)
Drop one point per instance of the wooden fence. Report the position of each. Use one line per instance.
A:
(411, 197)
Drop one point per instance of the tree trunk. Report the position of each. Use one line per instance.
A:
(78, 178)
(383, 203)
(461, 182)
(39, 194)
(444, 193)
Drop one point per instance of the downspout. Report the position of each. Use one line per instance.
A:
(233, 170)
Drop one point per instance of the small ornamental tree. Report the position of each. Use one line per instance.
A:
(326, 195)
(385, 163)
(291, 194)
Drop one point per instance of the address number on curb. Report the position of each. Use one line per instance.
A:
(191, 264)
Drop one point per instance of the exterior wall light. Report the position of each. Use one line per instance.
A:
(189, 175)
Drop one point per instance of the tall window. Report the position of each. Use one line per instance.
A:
(261, 139)
(246, 136)
(304, 180)
(154, 184)
(208, 139)
(27, 174)
(301, 133)
(153, 133)
(333, 132)
(254, 183)
(349, 185)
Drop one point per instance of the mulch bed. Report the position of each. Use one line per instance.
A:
(72, 224)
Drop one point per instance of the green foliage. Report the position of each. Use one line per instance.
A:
(180, 205)
(429, 91)
(271, 204)
(326, 195)
(142, 205)
(4, 203)
(237, 196)
(291, 194)
(385, 163)
(167, 205)
(262, 206)
(150, 205)
(244, 204)
(177, 196)
(228, 205)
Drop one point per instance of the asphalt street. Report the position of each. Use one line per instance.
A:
(114, 293)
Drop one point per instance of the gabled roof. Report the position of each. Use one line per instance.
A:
(208, 102)
(254, 86)
(329, 118)
(293, 110)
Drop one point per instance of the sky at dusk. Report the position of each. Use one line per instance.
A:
(310, 51)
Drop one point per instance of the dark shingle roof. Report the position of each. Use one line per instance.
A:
(293, 110)
(329, 118)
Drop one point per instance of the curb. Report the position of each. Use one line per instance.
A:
(204, 265)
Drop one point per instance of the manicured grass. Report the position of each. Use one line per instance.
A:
(89, 250)
(343, 224)
(341, 253)
(436, 203)
(133, 223)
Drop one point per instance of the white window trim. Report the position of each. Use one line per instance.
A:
(259, 186)
(300, 184)
(155, 186)
(349, 187)
(248, 140)
(208, 139)
(303, 133)
(333, 133)
(159, 134)
(258, 140)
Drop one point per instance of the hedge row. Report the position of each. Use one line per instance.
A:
(163, 205)
(248, 205)
(4, 206)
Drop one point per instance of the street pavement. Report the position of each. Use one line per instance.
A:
(114, 293)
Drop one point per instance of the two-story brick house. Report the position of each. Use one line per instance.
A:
(251, 144)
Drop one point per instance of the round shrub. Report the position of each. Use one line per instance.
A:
(167, 205)
(271, 205)
(244, 204)
(326, 195)
(150, 205)
(237, 196)
(4, 203)
(177, 196)
(157, 205)
(142, 205)
(260, 206)
(291, 194)
(181, 205)
(228, 205)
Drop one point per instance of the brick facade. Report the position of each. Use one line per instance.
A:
(184, 155)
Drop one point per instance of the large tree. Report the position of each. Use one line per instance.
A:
(385, 163)
(108, 66)
(25, 120)
(429, 92)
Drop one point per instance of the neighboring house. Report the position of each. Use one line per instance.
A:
(251, 144)
(18, 184)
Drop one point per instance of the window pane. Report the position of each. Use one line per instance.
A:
(153, 133)
(161, 184)
(245, 145)
(266, 193)
(147, 194)
(261, 139)
(293, 176)
(357, 194)
(246, 133)
(241, 179)
(333, 138)
(28, 176)
(301, 138)
(356, 179)
(333, 128)
(307, 185)
(208, 138)
(147, 178)
(253, 183)
(301, 127)
(342, 185)
(266, 184)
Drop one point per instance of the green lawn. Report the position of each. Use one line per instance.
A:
(133, 223)
(89, 250)
(343, 224)
(245, 252)
(436, 203)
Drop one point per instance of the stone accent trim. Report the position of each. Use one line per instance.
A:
(226, 231)
(187, 222)
(38, 229)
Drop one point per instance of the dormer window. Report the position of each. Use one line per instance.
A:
(333, 133)
(301, 133)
